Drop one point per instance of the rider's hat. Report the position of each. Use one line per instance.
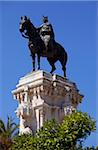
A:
(45, 19)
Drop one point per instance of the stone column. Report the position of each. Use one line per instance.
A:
(39, 95)
(41, 118)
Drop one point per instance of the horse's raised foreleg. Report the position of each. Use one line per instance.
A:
(38, 59)
(51, 62)
(33, 61)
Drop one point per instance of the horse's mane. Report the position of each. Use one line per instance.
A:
(32, 24)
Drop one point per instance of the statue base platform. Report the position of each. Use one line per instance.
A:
(43, 96)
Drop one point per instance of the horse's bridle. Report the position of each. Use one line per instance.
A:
(24, 35)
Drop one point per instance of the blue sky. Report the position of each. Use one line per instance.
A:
(75, 27)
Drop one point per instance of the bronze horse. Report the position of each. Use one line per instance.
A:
(37, 46)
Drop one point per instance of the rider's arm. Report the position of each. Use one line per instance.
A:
(38, 29)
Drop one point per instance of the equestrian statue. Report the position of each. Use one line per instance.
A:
(41, 42)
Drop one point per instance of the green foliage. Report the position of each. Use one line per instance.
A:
(47, 136)
(23, 142)
(75, 129)
(53, 136)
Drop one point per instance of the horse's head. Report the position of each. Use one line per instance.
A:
(24, 24)
(27, 27)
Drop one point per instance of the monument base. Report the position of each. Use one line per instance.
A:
(43, 96)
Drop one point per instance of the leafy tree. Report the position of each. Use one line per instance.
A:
(7, 131)
(28, 142)
(47, 137)
(68, 135)
(75, 129)
(53, 136)
(23, 142)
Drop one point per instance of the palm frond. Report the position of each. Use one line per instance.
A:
(7, 131)
(2, 126)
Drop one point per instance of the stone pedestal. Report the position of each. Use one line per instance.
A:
(42, 97)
